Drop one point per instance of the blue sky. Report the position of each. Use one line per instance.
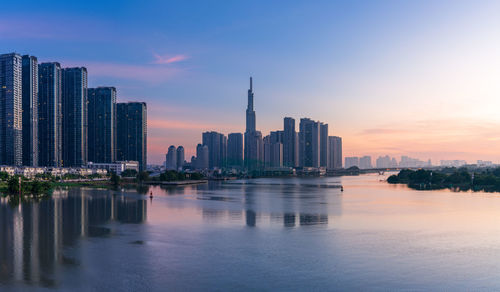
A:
(390, 77)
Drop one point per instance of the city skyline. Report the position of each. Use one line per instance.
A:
(191, 70)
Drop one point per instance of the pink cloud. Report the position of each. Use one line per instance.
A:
(166, 59)
(148, 73)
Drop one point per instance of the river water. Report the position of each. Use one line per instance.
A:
(263, 234)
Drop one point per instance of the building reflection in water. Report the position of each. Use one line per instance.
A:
(33, 235)
(287, 203)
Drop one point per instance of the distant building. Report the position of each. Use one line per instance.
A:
(273, 151)
(131, 132)
(365, 162)
(74, 104)
(484, 163)
(180, 157)
(289, 142)
(30, 110)
(453, 163)
(309, 143)
(323, 145)
(11, 109)
(235, 150)
(117, 167)
(49, 115)
(217, 148)
(102, 124)
(351, 161)
(201, 157)
(253, 150)
(334, 152)
(171, 158)
(384, 162)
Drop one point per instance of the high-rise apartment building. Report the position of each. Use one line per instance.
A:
(11, 109)
(180, 157)
(201, 157)
(334, 152)
(309, 143)
(235, 150)
(273, 151)
(289, 142)
(365, 162)
(171, 158)
(30, 110)
(74, 103)
(131, 132)
(49, 115)
(351, 161)
(217, 148)
(102, 124)
(323, 145)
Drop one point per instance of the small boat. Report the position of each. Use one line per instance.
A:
(341, 188)
(151, 194)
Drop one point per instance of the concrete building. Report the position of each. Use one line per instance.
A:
(351, 161)
(253, 151)
(74, 116)
(334, 152)
(235, 150)
(273, 152)
(30, 110)
(180, 157)
(309, 143)
(49, 115)
(323, 145)
(131, 133)
(289, 142)
(217, 149)
(102, 124)
(365, 162)
(171, 158)
(117, 167)
(11, 109)
(202, 157)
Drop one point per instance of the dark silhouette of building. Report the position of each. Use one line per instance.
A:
(30, 110)
(131, 128)
(49, 115)
(235, 150)
(74, 102)
(102, 124)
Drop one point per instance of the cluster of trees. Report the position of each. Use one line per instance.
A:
(481, 180)
(172, 175)
(34, 187)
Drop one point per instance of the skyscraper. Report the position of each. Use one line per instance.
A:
(235, 150)
(334, 152)
(74, 102)
(171, 158)
(273, 150)
(253, 138)
(309, 143)
(323, 145)
(289, 136)
(11, 109)
(201, 157)
(351, 161)
(131, 132)
(217, 148)
(365, 162)
(30, 110)
(102, 124)
(49, 114)
(180, 157)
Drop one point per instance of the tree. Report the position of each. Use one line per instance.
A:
(115, 179)
(143, 176)
(129, 173)
(4, 175)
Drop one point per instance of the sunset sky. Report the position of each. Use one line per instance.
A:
(417, 78)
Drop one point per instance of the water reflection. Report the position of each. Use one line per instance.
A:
(33, 235)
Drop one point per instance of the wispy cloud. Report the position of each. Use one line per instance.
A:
(147, 73)
(168, 59)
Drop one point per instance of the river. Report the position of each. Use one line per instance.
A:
(263, 234)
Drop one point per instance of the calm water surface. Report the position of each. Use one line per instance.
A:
(264, 234)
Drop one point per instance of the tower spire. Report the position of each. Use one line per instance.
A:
(250, 83)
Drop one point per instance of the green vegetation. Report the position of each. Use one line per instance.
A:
(452, 178)
(172, 175)
(35, 187)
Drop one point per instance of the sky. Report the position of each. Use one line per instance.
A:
(417, 78)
